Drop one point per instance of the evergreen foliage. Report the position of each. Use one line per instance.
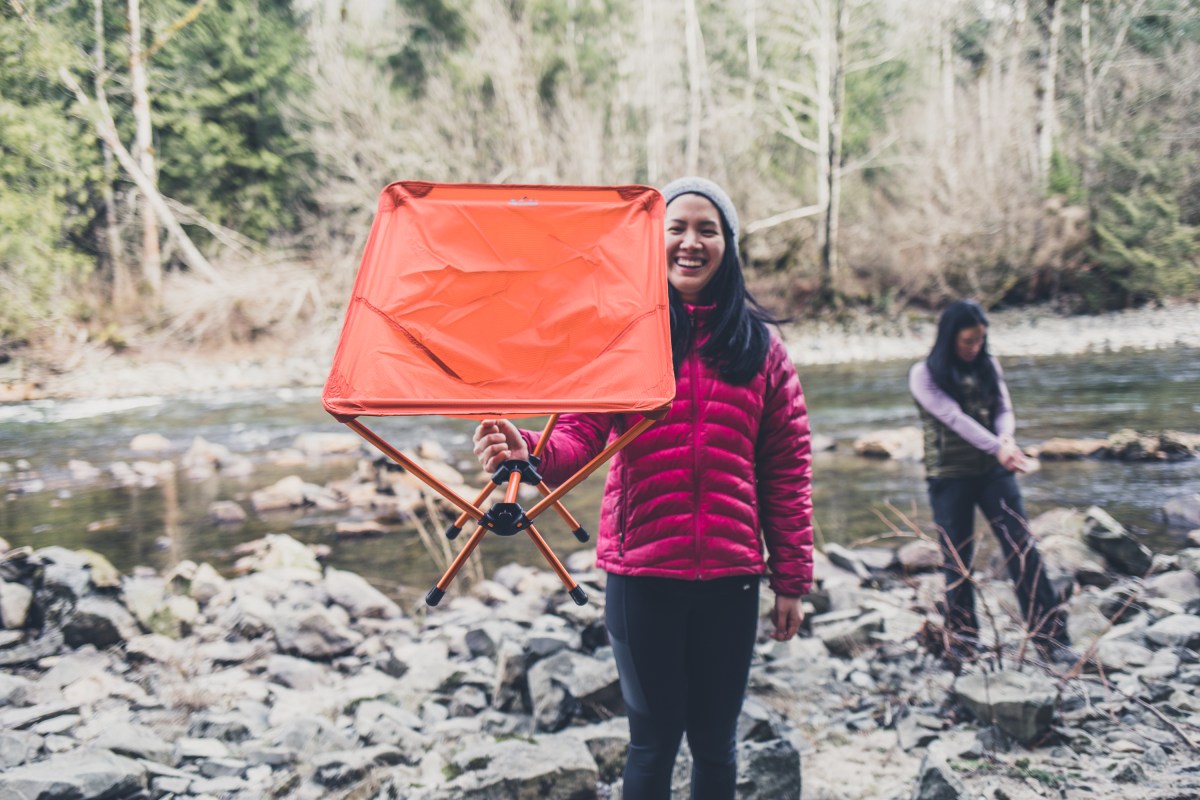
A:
(48, 161)
(1143, 252)
(223, 143)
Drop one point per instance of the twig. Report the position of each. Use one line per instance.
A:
(1163, 718)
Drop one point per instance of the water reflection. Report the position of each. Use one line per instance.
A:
(854, 498)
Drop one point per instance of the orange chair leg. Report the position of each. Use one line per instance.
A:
(439, 590)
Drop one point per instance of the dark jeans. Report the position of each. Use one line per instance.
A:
(683, 652)
(996, 494)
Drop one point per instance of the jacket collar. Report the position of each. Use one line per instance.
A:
(702, 315)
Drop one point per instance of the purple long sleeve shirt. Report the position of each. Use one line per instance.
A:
(947, 410)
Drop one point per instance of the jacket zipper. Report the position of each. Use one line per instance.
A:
(694, 358)
(623, 521)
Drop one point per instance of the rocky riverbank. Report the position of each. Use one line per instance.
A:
(74, 369)
(294, 679)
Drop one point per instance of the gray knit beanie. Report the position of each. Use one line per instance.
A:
(708, 190)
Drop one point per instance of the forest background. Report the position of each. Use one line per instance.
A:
(204, 174)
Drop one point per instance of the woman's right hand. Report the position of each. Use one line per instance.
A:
(1011, 457)
(496, 441)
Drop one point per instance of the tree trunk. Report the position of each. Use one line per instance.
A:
(143, 151)
(829, 248)
(1089, 99)
(752, 65)
(650, 97)
(101, 118)
(949, 116)
(695, 70)
(121, 286)
(823, 55)
(1048, 71)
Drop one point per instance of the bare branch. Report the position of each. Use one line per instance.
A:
(175, 27)
(782, 217)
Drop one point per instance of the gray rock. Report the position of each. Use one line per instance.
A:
(510, 689)
(191, 749)
(1129, 771)
(226, 512)
(468, 701)
(911, 733)
(1021, 704)
(901, 443)
(1121, 655)
(336, 770)
(66, 574)
(1183, 512)
(756, 723)
(556, 766)
(309, 735)
(919, 555)
(83, 773)
(936, 781)
(360, 598)
(845, 638)
(223, 768)
(847, 559)
(1177, 630)
(1178, 586)
(99, 621)
(20, 718)
(383, 723)
(1068, 560)
(314, 632)
(296, 673)
(568, 681)
(231, 727)
(18, 747)
(135, 741)
(768, 771)
(608, 742)
(12, 687)
(15, 599)
(1108, 537)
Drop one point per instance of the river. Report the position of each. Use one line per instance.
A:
(855, 499)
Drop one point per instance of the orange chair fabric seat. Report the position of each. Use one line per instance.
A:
(484, 300)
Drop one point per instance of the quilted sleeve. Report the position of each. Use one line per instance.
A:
(575, 440)
(783, 456)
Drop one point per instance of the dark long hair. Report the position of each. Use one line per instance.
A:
(947, 368)
(738, 340)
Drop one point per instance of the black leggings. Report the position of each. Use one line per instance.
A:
(999, 498)
(683, 652)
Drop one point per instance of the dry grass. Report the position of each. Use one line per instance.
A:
(261, 299)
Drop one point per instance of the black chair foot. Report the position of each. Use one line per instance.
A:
(453, 531)
(435, 596)
(578, 595)
(581, 534)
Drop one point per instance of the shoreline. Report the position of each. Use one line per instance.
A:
(98, 373)
(1014, 333)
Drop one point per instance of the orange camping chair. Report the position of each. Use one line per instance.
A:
(490, 300)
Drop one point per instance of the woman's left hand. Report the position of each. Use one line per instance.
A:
(1011, 457)
(786, 617)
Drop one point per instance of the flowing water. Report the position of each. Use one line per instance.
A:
(855, 499)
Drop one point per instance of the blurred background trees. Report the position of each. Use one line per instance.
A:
(208, 169)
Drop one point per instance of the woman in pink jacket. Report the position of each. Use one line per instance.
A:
(690, 505)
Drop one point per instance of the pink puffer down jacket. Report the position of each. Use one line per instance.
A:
(699, 494)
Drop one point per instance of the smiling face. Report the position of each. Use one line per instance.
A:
(695, 245)
(969, 341)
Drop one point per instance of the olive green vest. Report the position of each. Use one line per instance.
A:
(948, 455)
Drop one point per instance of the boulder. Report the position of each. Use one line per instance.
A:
(1020, 704)
(901, 443)
(1120, 549)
